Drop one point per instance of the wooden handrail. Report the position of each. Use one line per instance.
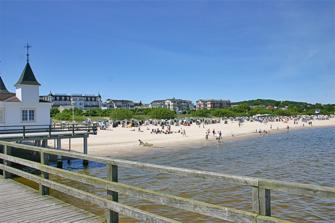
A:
(211, 210)
(24, 129)
(289, 187)
(102, 202)
(260, 187)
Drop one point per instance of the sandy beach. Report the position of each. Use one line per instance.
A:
(122, 141)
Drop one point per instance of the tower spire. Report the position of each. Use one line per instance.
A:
(27, 54)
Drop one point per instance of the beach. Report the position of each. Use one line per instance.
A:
(123, 141)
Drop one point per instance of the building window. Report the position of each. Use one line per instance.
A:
(28, 115)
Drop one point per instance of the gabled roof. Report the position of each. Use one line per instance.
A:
(27, 77)
(3, 88)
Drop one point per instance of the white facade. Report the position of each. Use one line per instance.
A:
(177, 105)
(12, 113)
(78, 101)
(24, 106)
(28, 93)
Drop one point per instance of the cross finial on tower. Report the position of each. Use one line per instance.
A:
(27, 47)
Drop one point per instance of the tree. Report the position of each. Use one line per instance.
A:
(201, 113)
(162, 113)
(223, 113)
(242, 108)
(259, 110)
(121, 114)
(63, 116)
(54, 111)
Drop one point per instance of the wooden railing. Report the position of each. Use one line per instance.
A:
(54, 128)
(261, 196)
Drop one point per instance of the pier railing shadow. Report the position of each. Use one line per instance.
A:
(261, 188)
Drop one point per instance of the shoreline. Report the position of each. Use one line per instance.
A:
(123, 142)
(187, 145)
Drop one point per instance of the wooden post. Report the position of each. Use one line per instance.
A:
(73, 129)
(112, 175)
(49, 131)
(24, 131)
(261, 201)
(6, 163)
(59, 158)
(85, 162)
(44, 160)
(45, 143)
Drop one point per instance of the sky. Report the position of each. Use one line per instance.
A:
(146, 50)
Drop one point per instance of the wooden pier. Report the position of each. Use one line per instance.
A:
(260, 196)
(19, 203)
(39, 135)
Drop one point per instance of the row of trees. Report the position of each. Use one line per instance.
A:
(246, 110)
(161, 113)
(114, 114)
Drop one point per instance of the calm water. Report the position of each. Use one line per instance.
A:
(305, 156)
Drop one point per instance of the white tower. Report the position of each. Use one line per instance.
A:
(27, 87)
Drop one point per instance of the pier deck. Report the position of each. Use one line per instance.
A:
(19, 203)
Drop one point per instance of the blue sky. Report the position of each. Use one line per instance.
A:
(146, 50)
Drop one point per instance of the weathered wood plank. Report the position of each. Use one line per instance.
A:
(112, 175)
(44, 161)
(21, 203)
(264, 201)
(52, 213)
(64, 217)
(211, 210)
(29, 206)
(24, 214)
(102, 202)
(81, 219)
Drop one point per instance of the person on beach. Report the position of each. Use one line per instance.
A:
(220, 136)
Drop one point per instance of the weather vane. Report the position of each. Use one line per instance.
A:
(27, 47)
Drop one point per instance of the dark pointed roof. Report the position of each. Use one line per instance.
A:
(3, 88)
(5, 95)
(27, 77)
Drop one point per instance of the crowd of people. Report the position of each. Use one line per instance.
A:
(164, 127)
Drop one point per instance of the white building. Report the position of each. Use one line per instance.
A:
(23, 107)
(212, 104)
(76, 100)
(177, 105)
(125, 104)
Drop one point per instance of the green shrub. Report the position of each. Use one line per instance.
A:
(120, 114)
(54, 111)
(223, 113)
(201, 113)
(161, 113)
